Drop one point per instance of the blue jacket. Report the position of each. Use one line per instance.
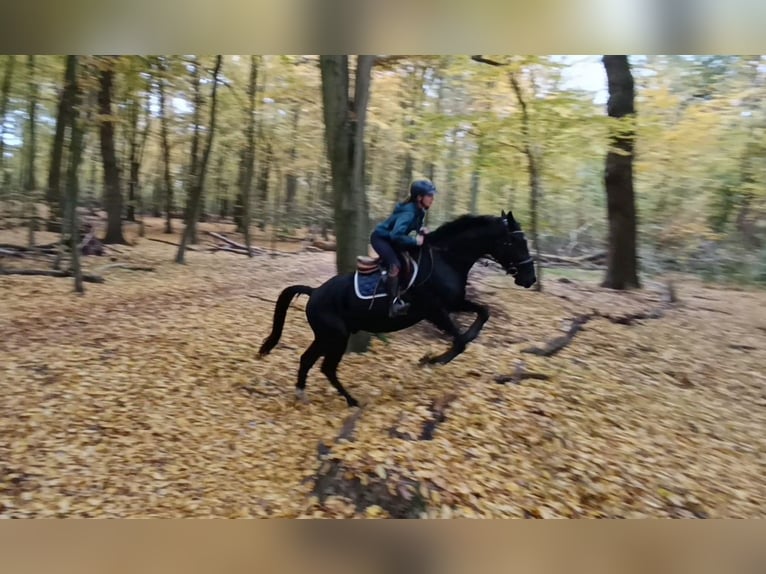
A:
(406, 218)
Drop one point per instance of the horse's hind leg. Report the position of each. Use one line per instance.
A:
(330, 367)
(308, 358)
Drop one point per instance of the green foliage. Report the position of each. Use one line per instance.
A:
(700, 142)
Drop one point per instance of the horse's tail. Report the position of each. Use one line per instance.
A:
(280, 312)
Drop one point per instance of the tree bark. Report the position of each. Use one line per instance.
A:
(189, 219)
(291, 180)
(161, 85)
(247, 182)
(622, 260)
(114, 200)
(344, 135)
(72, 186)
(263, 183)
(136, 147)
(199, 182)
(449, 202)
(534, 176)
(53, 194)
(30, 181)
(30, 148)
(5, 94)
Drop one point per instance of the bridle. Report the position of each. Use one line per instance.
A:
(514, 266)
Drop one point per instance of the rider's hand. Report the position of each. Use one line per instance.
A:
(419, 240)
(423, 231)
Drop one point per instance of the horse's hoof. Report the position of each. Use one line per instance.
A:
(300, 396)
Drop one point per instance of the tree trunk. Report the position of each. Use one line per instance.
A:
(263, 183)
(5, 93)
(476, 179)
(344, 134)
(161, 84)
(53, 193)
(247, 180)
(622, 260)
(199, 183)
(534, 175)
(72, 184)
(30, 149)
(191, 181)
(114, 201)
(291, 180)
(136, 147)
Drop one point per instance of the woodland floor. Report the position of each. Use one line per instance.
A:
(145, 398)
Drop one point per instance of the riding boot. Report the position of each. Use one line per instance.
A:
(396, 306)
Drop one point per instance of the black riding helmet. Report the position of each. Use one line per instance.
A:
(421, 187)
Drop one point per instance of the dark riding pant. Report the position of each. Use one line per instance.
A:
(388, 254)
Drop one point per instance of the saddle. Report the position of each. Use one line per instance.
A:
(368, 265)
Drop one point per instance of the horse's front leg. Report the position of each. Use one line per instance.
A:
(440, 317)
(482, 316)
(460, 340)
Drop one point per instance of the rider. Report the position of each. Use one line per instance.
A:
(393, 234)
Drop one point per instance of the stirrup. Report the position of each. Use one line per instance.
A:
(398, 307)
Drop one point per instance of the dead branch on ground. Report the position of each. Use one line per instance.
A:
(55, 273)
(519, 375)
(188, 247)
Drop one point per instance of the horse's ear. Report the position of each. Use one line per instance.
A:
(502, 213)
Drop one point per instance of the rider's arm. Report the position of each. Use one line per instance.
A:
(399, 233)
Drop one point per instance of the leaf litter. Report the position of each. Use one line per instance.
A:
(145, 398)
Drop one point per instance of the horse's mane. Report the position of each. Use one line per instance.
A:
(459, 228)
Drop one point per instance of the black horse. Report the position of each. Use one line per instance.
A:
(335, 310)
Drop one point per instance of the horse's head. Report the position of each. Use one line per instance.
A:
(513, 254)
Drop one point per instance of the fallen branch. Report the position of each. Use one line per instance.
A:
(657, 313)
(253, 250)
(321, 245)
(10, 249)
(113, 248)
(85, 276)
(483, 60)
(188, 247)
(11, 253)
(519, 375)
(272, 301)
(710, 309)
(594, 258)
(555, 345)
(128, 266)
(229, 241)
(743, 347)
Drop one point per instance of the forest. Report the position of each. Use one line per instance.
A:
(153, 208)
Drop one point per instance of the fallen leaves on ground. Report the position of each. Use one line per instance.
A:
(145, 398)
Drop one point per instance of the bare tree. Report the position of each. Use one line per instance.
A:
(72, 184)
(249, 156)
(113, 198)
(199, 181)
(622, 259)
(53, 192)
(162, 81)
